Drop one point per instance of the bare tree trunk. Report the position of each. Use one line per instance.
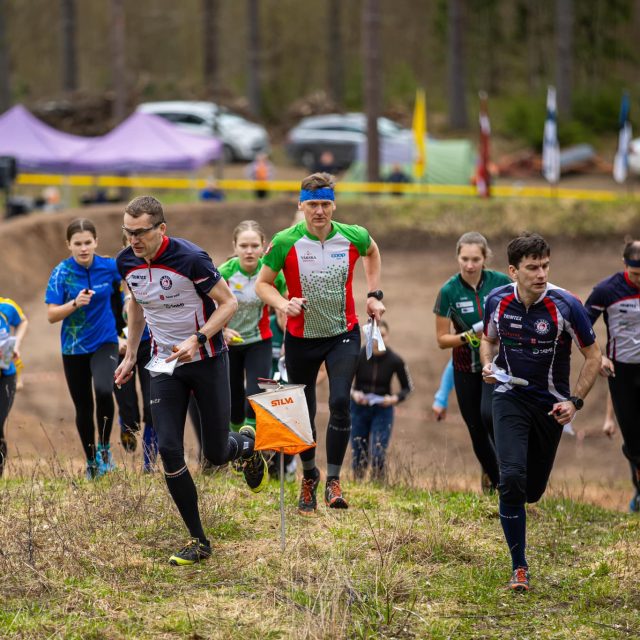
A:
(564, 55)
(335, 58)
(253, 52)
(210, 39)
(372, 83)
(5, 82)
(118, 68)
(69, 53)
(457, 83)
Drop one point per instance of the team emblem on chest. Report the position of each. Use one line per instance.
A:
(166, 283)
(542, 326)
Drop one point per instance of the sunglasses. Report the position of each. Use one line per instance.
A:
(138, 233)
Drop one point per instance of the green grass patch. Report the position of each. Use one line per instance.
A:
(89, 560)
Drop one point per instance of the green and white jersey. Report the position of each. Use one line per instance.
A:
(251, 320)
(465, 306)
(321, 272)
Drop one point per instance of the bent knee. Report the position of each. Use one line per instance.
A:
(513, 486)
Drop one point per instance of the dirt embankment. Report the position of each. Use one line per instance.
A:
(415, 264)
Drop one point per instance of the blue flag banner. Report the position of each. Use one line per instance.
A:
(550, 146)
(621, 160)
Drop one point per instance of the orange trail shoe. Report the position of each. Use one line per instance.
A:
(519, 580)
(307, 504)
(333, 495)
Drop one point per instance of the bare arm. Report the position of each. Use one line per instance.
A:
(271, 296)
(58, 312)
(21, 330)
(487, 350)
(446, 339)
(609, 426)
(226, 304)
(563, 412)
(372, 263)
(135, 327)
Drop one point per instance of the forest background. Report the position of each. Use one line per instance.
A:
(85, 65)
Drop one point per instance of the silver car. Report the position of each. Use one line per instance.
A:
(242, 140)
(339, 133)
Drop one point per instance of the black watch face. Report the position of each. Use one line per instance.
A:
(202, 339)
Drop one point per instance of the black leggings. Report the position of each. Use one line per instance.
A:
(7, 394)
(474, 400)
(127, 396)
(208, 380)
(251, 361)
(625, 396)
(526, 441)
(80, 370)
(303, 357)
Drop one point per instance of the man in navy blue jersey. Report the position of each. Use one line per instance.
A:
(534, 323)
(179, 293)
(618, 299)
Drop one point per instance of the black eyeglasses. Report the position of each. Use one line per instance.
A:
(138, 233)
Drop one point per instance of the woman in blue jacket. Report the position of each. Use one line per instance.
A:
(84, 293)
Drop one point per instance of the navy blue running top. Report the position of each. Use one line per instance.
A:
(619, 300)
(535, 343)
(173, 293)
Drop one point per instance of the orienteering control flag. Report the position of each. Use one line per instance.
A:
(282, 420)
(419, 133)
(621, 161)
(550, 146)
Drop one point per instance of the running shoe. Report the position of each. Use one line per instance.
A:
(519, 580)
(486, 485)
(307, 503)
(254, 469)
(104, 459)
(194, 551)
(149, 449)
(128, 439)
(333, 495)
(3, 454)
(634, 505)
(92, 470)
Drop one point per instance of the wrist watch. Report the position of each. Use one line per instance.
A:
(201, 338)
(578, 403)
(377, 294)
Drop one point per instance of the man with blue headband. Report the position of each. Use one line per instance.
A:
(317, 257)
(618, 299)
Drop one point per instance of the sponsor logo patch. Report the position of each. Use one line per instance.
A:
(166, 283)
(542, 326)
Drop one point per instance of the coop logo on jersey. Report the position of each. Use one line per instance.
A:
(338, 255)
(166, 283)
(542, 326)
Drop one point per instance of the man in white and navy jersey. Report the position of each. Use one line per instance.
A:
(179, 293)
(617, 298)
(534, 324)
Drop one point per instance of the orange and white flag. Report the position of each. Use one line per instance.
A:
(282, 420)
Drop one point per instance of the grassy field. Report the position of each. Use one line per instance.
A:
(89, 560)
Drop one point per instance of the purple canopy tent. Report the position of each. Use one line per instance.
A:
(35, 145)
(145, 143)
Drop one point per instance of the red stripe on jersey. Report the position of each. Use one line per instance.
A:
(264, 325)
(163, 247)
(553, 311)
(295, 326)
(628, 281)
(506, 301)
(350, 307)
(137, 268)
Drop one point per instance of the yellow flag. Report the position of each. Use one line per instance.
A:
(419, 134)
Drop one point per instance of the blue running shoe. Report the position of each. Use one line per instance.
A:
(104, 459)
(634, 505)
(149, 449)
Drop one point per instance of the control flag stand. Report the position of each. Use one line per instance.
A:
(283, 425)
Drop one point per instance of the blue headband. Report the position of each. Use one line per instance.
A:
(632, 263)
(319, 194)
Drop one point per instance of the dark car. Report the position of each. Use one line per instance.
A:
(340, 134)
